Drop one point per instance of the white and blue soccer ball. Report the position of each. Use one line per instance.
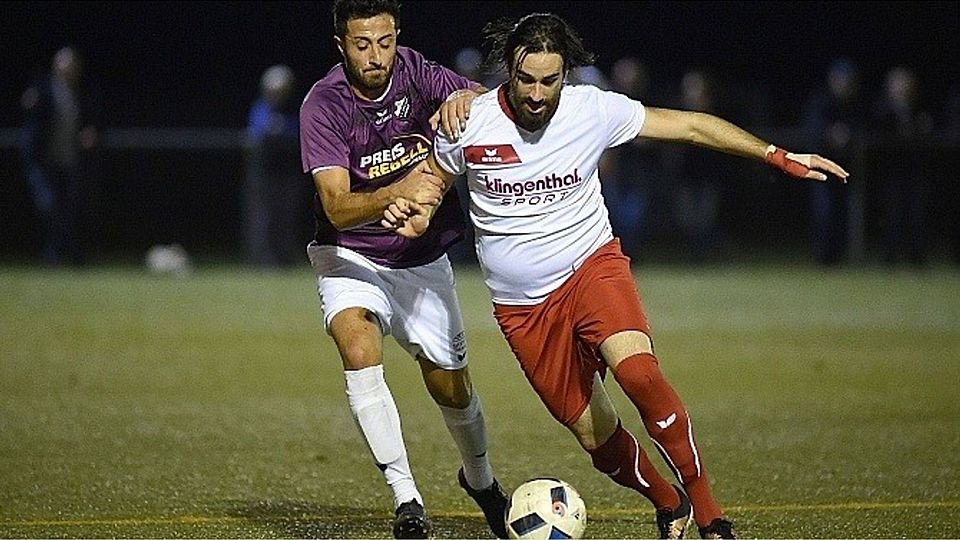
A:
(545, 508)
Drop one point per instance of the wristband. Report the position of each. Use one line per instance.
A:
(791, 164)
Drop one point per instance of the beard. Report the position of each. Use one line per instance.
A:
(370, 83)
(533, 116)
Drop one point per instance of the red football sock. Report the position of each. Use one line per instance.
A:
(625, 462)
(669, 426)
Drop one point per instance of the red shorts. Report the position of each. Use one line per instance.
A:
(557, 342)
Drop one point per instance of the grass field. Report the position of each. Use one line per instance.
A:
(138, 406)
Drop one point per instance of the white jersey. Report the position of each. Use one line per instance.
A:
(535, 199)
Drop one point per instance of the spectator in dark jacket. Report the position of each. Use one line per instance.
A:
(57, 142)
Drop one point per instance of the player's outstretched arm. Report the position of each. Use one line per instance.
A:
(346, 209)
(715, 133)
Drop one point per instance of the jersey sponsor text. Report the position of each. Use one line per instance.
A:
(393, 159)
(550, 188)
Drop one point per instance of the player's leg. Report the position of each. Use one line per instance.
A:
(615, 451)
(565, 375)
(355, 307)
(630, 357)
(635, 368)
(615, 325)
(358, 336)
(462, 411)
(429, 325)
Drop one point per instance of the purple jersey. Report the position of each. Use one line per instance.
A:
(378, 142)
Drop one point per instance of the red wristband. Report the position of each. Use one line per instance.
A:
(778, 158)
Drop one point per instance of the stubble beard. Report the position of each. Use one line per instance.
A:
(370, 84)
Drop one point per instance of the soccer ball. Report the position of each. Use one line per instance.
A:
(546, 508)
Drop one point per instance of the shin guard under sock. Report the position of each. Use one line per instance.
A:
(376, 415)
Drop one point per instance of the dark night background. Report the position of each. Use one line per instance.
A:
(198, 64)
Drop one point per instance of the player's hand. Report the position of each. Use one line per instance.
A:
(453, 113)
(809, 166)
(421, 186)
(406, 218)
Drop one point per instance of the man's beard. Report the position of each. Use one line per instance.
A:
(371, 83)
(527, 119)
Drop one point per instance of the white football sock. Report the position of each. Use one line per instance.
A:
(470, 433)
(376, 414)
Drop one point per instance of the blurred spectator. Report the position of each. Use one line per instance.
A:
(589, 75)
(57, 142)
(276, 194)
(833, 123)
(696, 174)
(904, 178)
(952, 135)
(469, 61)
(629, 171)
(952, 114)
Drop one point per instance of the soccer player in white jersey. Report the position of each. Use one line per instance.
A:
(564, 296)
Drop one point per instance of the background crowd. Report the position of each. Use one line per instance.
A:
(666, 203)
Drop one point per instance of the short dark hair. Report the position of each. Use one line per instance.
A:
(346, 10)
(533, 33)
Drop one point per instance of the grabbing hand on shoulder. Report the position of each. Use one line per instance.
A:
(453, 113)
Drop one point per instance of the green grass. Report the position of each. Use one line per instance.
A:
(137, 406)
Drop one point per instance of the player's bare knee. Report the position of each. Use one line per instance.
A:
(359, 355)
(356, 332)
(450, 397)
(358, 351)
(457, 400)
(462, 392)
(449, 388)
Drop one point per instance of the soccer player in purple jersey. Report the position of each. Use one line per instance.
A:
(363, 128)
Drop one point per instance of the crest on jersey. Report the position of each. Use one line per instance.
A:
(401, 107)
(493, 154)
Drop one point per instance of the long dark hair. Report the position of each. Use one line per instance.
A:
(533, 33)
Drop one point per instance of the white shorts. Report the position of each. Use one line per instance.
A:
(418, 306)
